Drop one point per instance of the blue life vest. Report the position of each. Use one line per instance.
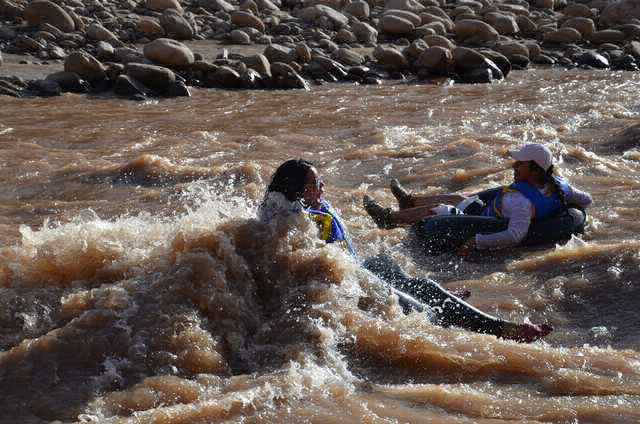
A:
(543, 206)
(331, 227)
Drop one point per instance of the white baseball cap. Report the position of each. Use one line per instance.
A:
(535, 152)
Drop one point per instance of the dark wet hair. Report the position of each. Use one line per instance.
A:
(548, 178)
(290, 179)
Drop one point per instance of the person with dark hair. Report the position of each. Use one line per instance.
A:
(298, 182)
(296, 187)
(537, 193)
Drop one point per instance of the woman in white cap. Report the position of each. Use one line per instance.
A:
(535, 194)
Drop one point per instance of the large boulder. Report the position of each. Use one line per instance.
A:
(390, 58)
(585, 26)
(44, 11)
(167, 52)
(396, 25)
(437, 60)
(246, 19)
(176, 26)
(562, 36)
(473, 31)
(99, 33)
(155, 77)
(620, 12)
(162, 5)
(85, 65)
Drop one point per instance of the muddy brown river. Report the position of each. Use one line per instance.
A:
(136, 285)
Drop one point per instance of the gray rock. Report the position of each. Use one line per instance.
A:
(278, 53)
(365, 33)
(85, 65)
(475, 32)
(217, 5)
(390, 58)
(176, 26)
(44, 11)
(100, 33)
(396, 25)
(69, 82)
(46, 88)
(359, 9)
(178, 89)
(162, 5)
(167, 52)
(313, 13)
(155, 77)
(348, 57)
(246, 19)
(105, 51)
(258, 63)
(437, 60)
(239, 37)
(224, 77)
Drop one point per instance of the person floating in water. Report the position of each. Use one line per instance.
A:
(536, 193)
(297, 188)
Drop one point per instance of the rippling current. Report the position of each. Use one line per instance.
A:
(136, 285)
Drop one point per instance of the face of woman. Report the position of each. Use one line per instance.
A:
(314, 189)
(521, 171)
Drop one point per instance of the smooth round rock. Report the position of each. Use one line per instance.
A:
(475, 32)
(390, 58)
(176, 26)
(396, 25)
(562, 36)
(44, 11)
(239, 37)
(85, 65)
(585, 26)
(437, 60)
(168, 52)
(359, 9)
(246, 19)
(155, 77)
(150, 27)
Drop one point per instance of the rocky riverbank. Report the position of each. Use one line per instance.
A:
(140, 49)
